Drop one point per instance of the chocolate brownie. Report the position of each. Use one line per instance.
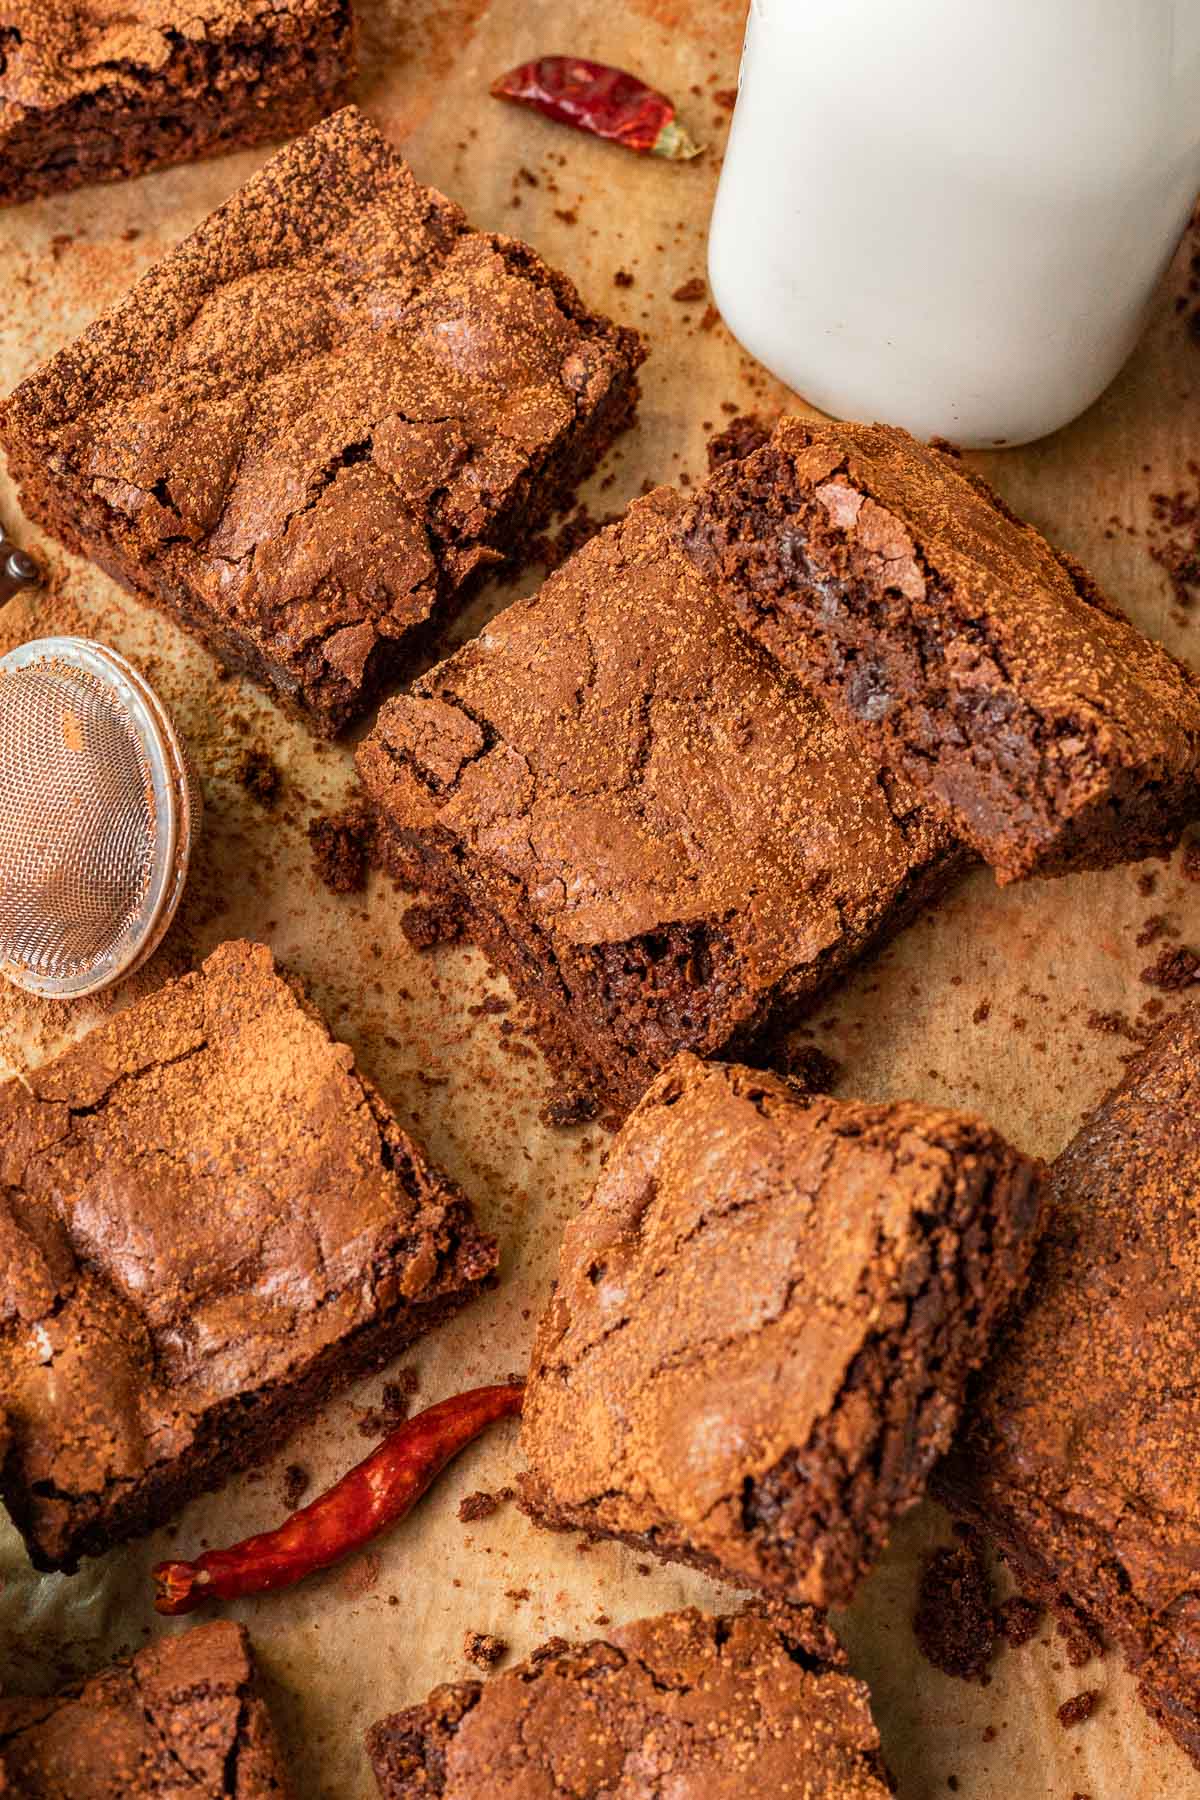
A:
(957, 644)
(209, 1221)
(701, 1708)
(321, 418)
(183, 1716)
(656, 832)
(764, 1322)
(92, 91)
(1079, 1456)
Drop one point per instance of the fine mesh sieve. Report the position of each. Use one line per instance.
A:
(97, 811)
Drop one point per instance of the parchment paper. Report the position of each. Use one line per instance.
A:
(986, 1004)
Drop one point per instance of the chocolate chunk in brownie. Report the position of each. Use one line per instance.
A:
(657, 832)
(755, 1703)
(1079, 1453)
(957, 644)
(90, 91)
(763, 1325)
(209, 1221)
(183, 1716)
(321, 419)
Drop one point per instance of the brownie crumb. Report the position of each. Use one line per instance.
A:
(342, 848)
(623, 278)
(694, 289)
(481, 1505)
(982, 1013)
(743, 435)
(1175, 970)
(426, 926)
(569, 1106)
(551, 550)
(1018, 1619)
(395, 1404)
(1079, 1707)
(955, 1620)
(726, 98)
(1146, 883)
(260, 777)
(1158, 925)
(484, 1650)
(1189, 866)
(810, 1068)
(296, 1479)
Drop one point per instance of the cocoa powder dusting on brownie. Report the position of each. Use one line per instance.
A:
(955, 1619)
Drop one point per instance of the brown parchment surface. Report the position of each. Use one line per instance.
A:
(987, 1004)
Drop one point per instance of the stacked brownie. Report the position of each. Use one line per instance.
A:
(956, 645)
(700, 1708)
(182, 1717)
(1079, 1454)
(763, 1325)
(208, 1222)
(657, 832)
(310, 429)
(94, 92)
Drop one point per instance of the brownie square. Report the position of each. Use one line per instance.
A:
(958, 646)
(182, 1716)
(763, 1325)
(753, 1703)
(90, 91)
(1079, 1454)
(657, 833)
(321, 418)
(209, 1221)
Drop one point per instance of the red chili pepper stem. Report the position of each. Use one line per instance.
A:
(594, 97)
(374, 1494)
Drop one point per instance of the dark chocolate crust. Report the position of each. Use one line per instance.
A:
(956, 644)
(314, 426)
(759, 1702)
(656, 832)
(764, 1322)
(182, 1716)
(92, 93)
(1079, 1454)
(209, 1221)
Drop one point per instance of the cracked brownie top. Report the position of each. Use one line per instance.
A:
(705, 1708)
(195, 1202)
(763, 1323)
(312, 423)
(53, 51)
(958, 645)
(183, 1715)
(619, 750)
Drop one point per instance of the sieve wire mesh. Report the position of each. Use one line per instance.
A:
(77, 819)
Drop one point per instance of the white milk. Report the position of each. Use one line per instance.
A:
(950, 214)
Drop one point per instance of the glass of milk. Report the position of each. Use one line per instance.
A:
(950, 215)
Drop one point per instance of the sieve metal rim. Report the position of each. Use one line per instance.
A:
(176, 807)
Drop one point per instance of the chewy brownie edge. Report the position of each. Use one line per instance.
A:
(319, 423)
(75, 114)
(788, 1368)
(957, 645)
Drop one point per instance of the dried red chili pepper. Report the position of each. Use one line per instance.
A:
(375, 1493)
(610, 103)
